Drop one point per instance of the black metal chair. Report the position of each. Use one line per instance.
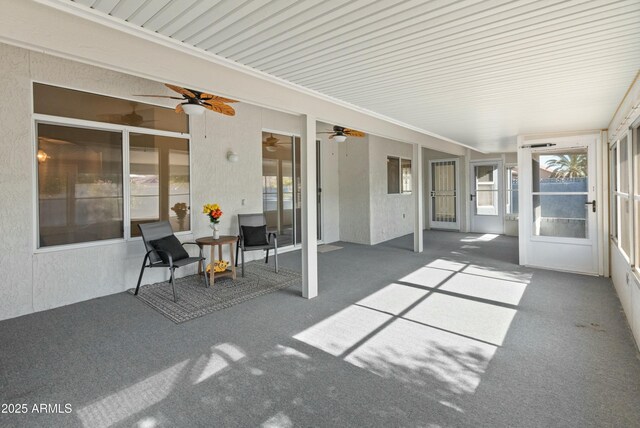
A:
(271, 238)
(151, 232)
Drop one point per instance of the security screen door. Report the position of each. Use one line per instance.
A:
(443, 194)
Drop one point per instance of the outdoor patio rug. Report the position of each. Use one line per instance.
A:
(194, 300)
(325, 248)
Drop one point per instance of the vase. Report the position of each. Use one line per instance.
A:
(216, 231)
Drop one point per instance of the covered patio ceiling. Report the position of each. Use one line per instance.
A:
(477, 72)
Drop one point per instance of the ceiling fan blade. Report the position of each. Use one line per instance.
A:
(354, 133)
(179, 109)
(215, 98)
(158, 96)
(325, 132)
(220, 108)
(182, 91)
(331, 136)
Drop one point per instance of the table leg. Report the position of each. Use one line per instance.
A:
(211, 273)
(233, 262)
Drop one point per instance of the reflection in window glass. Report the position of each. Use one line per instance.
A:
(79, 185)
(56, 101)
(159, 181)
(393, 175)
(406, 175)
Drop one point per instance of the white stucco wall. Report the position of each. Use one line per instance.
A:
(391, 214)
(36, 280)
(354, 190)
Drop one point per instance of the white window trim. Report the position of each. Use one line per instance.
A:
(508, 191)
(400, 159)
(629, 197)
(37, 118)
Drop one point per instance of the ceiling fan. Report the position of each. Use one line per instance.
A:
(131, 119)
(271, 143)
(339, 133)
(193, 101)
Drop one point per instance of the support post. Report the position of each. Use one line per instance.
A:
(309, 209)
(418, 194)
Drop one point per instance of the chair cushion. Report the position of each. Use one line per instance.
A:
(169, 244)
(254, 235)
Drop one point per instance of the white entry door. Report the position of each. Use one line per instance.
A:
(443, 196)
(486, 197)
(558, 215)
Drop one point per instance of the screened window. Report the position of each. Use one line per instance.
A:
(613, 160)
(82, 169)
(80, 196)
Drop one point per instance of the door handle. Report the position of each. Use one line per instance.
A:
(471, 197)
(593, 205)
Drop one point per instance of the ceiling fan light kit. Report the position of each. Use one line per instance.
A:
(340, 134)
(193, 109)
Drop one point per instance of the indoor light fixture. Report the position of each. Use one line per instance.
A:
(193, 109)
(42, 156)
(339, 138)
(271, 149)
(232, 157)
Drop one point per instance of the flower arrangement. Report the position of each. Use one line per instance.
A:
(180, 209)
(212, 211)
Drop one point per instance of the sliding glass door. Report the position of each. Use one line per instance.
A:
(282, 186)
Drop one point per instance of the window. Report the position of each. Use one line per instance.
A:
(635, 135)
(399, 176)
(406, 176)
(159, 181)
(393, 175)
(613, 160)
(512, 191)
(82, 168)
(80, 196)
(560, 191)
(623, 202)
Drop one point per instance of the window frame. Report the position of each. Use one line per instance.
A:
(38, 118)
(629, 197)
(400, 181)
(508, 191)
(633, 136)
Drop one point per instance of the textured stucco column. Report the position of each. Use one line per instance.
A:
(418, 194)
(309, 208)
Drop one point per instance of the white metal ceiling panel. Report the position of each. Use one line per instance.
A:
(477, 71)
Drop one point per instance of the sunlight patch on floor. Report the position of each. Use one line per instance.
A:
(483, 238)
(426, 276)
(341, 331)
(419, 355)
(497, 290)
(394, 298)
(279, 420)
(129, 401)
(438, 326)
(481, 321)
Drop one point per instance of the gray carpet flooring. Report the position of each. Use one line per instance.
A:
(457, 336)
